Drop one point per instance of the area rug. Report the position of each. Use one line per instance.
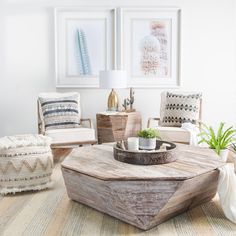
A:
(51, 212)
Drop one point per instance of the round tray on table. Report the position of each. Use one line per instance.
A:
(143, 157)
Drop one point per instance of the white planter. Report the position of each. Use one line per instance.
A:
(224, 154)
(147, 143)
(234, 159)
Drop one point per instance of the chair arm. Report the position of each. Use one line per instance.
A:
(152, 119)
(89, 121)
(41, 127)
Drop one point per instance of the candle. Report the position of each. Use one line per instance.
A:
(133, 144)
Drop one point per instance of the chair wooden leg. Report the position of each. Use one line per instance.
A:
(59, 154)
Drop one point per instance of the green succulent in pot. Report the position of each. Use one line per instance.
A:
(219, 140)
(147, 138)
(148, 133)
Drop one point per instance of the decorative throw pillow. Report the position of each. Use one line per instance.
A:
(61, 111)
(181, 108)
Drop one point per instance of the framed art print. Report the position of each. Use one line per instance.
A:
(149, 46)
(84, 45)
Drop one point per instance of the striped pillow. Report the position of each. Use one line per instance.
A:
(61, 111)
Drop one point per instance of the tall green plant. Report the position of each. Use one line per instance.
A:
(218, 140)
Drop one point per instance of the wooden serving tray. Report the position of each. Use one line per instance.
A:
(142, 157)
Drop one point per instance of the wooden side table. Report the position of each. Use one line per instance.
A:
(118, 126)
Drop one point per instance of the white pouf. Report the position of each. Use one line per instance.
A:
(26, 163)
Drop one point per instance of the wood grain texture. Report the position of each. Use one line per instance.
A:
(192, 192)
(117, 127)
(135, 202)
(33, 212)
(141, 196)
(59, 154)
(98, 161)
(143, 204)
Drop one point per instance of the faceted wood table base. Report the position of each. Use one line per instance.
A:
(143, 196)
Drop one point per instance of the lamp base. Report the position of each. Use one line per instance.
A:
(113, 101)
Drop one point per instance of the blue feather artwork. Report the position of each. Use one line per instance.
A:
(82, 52)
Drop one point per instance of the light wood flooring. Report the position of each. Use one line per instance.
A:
(51, 212)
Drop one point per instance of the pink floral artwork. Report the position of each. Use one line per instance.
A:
(154, 51)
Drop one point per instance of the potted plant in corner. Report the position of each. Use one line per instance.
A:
(220, 140)
(147, 138)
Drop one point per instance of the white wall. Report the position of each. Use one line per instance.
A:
(27, 60)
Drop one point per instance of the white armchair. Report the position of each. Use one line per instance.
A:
(63, 136)
(174, 134)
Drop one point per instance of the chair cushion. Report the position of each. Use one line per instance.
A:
(174, 134)
(26, 163)
(180, 108)
(60, 110)
(71, 135)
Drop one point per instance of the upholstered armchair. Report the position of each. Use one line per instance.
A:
(177, 108)
(59, 117)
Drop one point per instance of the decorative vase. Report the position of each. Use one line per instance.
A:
(224, 154)
(147, 143)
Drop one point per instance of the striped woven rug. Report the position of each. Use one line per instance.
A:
(51, 213)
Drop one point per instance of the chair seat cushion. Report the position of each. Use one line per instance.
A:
(174, 134)
(71, 135)
(26, 163)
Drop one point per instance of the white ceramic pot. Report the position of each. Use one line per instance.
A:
(147, 143)
(224, 154)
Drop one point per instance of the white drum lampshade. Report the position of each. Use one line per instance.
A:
(113, 79)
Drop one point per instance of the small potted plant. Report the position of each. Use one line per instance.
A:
(147, 138)
(219, 141)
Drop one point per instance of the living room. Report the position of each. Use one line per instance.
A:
(35, 59)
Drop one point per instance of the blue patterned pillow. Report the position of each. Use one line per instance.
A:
(60, 112)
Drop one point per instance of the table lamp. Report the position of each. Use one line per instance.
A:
(113, 79)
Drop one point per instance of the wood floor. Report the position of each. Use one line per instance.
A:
(51, 212)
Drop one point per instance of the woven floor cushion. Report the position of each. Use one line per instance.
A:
(26, 163)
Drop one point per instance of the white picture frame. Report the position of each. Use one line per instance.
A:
(149, 63)
(84, 45)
